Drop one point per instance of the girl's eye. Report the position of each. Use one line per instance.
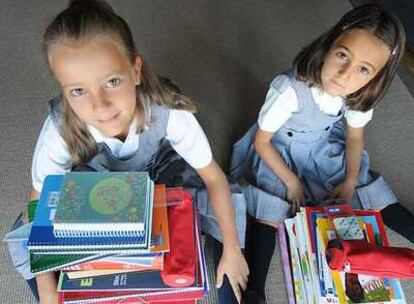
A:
(341, 55)
(113, 83)
(364, 70)
(77, 92)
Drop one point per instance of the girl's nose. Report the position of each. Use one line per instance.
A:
(100, 100)
(345, 71)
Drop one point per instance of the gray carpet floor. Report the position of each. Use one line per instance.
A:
(223, 54)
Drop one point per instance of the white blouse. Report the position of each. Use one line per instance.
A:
(185, 134)
(279, 106)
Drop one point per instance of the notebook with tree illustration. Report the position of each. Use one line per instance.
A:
(94, 204)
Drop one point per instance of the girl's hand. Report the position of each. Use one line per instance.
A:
(233, 264)
(295, 194)
(344, 190)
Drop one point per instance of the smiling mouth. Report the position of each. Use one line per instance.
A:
(109, 120)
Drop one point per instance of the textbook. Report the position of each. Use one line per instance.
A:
(116, 264)
(143, 287)
(42, 239)
(94, 204)
(142, 262)
(45, 261)
(308, 234)
(160, 240)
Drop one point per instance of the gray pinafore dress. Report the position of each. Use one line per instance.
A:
(165, 166)
(312, 144)
(155, 155)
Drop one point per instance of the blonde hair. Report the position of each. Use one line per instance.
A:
(82, 21)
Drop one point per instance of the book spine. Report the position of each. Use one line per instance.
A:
(155, 263)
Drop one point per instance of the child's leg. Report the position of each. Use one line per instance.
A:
(46, 287)
(260, 245)
(225, 294)
(33, 287)
(400, 220)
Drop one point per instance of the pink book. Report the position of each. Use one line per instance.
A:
(286, 263)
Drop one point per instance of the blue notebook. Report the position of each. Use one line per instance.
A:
(42, 238)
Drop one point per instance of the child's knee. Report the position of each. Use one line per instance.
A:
(270, 223)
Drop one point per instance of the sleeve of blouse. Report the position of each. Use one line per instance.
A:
(51, 155)
(358, 119)
(281, 101)
(188, 139)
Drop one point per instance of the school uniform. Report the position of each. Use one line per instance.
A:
(309, 134)
(170, 148)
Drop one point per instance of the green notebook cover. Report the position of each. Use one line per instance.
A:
(31, 209)
(101, 203)
(40, 263)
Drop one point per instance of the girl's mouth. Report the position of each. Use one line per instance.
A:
(108, 120)
(337, 84)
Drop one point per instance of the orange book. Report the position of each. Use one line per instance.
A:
(160, 233)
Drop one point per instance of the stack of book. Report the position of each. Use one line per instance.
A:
(109, 236)
(309, 278)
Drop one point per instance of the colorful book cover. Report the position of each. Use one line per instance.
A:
(117, 292)
(129, 281)
(309, 215)
(369, 289)
(330, 291)
(40, 263)
(120, 262)
(364, 289)
(77, 262)
(43, 240)
(98, 272)
(160, 233)
(305, 256)
(374, 218)
(298, 279)
(182, 297)
(284, 253)
(103, 203)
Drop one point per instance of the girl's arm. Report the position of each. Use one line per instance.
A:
(46, 283)
(232, 262)
(353, 155)
(274, 161)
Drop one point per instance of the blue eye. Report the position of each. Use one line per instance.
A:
(113, 83)
(78, 92)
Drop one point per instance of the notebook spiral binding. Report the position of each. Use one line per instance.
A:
(64, 233)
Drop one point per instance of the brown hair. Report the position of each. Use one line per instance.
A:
(385, 26)
(80, 22)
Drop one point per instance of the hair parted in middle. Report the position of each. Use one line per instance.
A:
(82, 21)
(308, 63)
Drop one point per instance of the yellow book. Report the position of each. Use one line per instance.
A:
(94, 273)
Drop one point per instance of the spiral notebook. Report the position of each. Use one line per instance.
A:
(138, 286)
(43, 240)
(95, 204)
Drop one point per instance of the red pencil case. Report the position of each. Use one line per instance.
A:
(361, 257)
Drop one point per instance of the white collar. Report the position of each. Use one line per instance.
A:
(99, 137)
(318, 92)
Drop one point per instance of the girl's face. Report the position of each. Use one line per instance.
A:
(353, 60)
(98, 81)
